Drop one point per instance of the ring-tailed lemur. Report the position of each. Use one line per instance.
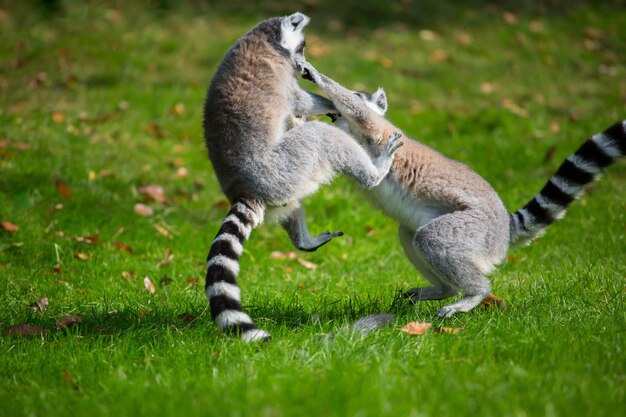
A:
(453, 226)
(264, 158)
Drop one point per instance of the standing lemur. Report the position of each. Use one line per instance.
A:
(452, 224)
(265, 159)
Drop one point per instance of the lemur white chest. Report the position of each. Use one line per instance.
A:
(408, 210)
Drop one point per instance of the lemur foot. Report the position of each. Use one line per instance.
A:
(445, 312)
(318, 241)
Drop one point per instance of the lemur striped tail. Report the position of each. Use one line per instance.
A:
(581, 168)
(223, 267)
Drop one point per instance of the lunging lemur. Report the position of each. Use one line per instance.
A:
(453, 226)
(265, 159)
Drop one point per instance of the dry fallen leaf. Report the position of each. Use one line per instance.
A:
(91, 239)
(427, 35)
(57, 117)
(67, 377)
(128, 275)
(178, 109)
(182, 172)
(57, 269)
(192, 281)
(283, 255)
(448, 330)
(415, 327)
(549, 154)
(39, 305)
(162, 230)
(68, 321)
(82, 256)
(123, 247)
(186, 317)
(155, 130)
(149, 285)
(9, 227)
(143, 210)
(223, 204)
(508, 104)
(63, 189)
(307, 264)
(168, 259)
(24, 330)
(493, 301)
(152, 192)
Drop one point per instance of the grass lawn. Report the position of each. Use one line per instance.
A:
(98, 99)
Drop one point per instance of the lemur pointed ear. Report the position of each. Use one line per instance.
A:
(380, 99)
(296, 22)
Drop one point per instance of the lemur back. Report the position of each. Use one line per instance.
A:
(453, 226)
(265, 160)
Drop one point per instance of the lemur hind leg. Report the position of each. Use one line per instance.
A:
(439, 289)
(296, 227)
(454, 246)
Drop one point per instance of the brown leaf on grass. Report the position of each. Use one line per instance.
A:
(122, 247)
(82, 256)
(57, 116)
(149, 285)
(438, 56)
(152, 192)
(193, 281)
(549, 154)
(39, 305)
(168, 259)
(223, 204)
(493, 301)
(68, 321)
(57, 269)
(25, 330)
(143, 210)
(283, 255)
(63, 189)
(369, 230)
(448, 330)
(509, 105)
(182, 172)
(155, 130)
(307, 264)
(428, 35)
(416, 328)
(67, 377)
(186, 317)
(128, 275)
(178, 109)
(91, 239)
(509, 18)
(9, 227)
(162, 230)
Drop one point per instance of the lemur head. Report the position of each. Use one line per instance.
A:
(292, 38)
(376, 101)
(284, 34)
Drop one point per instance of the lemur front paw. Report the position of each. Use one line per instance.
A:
(393, 143)
(308, 71)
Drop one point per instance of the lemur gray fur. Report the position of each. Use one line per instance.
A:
(453, 226)
(265, 159)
